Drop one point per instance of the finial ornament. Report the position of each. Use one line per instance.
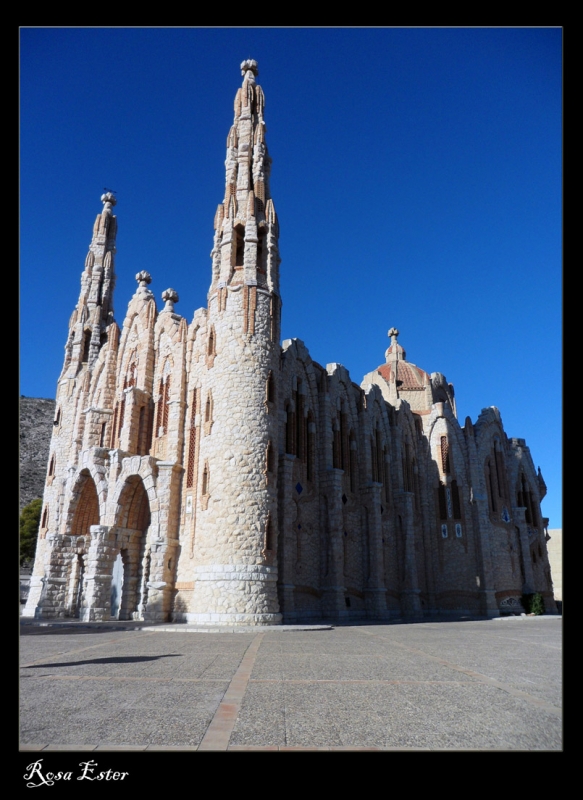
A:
(108, 197)
(249, 64)
(143, 278)
(395, 352)
(170, 297)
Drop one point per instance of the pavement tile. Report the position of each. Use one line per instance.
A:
(425, 686)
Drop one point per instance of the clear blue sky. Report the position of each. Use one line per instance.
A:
(417, 176)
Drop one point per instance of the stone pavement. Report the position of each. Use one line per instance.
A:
(454, 685)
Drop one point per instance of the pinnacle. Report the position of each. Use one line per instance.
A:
(108, 197)
(249, 65)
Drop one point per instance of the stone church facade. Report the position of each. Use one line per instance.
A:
(203, 472)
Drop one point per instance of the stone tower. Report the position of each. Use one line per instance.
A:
(235, 576)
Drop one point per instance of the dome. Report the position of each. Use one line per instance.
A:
(400, 371)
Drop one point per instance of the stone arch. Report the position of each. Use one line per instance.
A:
(131, 567)
(76, 578)
(84, 509)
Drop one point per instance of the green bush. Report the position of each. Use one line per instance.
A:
(533, 603)
(29, 523)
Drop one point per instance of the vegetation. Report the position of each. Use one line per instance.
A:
(533, 603)
(29, 523)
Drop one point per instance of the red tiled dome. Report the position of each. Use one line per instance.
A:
(412, 377)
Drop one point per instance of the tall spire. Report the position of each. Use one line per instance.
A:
(94, 310)
(246, 231)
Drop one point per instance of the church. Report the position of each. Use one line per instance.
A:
(204, 472)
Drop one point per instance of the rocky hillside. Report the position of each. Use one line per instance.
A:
(36, 427)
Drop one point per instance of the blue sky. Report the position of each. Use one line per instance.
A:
(417, 176)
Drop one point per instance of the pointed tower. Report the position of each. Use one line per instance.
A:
(234, 555)
(76, 423)
(94, 309)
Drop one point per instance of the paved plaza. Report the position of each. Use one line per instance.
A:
(465, 684)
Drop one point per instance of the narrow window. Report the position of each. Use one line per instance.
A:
(102, 434)
(122, 408)
(260, 250)
(114, 427)
(490, 483)
(239, 247)
(191, 444)
(311, 446)
(86, 344)
(290, 429)
(300, 425)
(353, 460)
(445, 465)
(270, 458)
(270, 390)
(166, 404)
(159, 410)
(269, 538)
(379, 455)
(336, 446)
(442, 502)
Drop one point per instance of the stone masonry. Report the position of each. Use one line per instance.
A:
(205, 473)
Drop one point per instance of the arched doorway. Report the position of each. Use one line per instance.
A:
(131, 569)
(85, 513)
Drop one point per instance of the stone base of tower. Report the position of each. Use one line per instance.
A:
(233, 594)
(228, 619)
